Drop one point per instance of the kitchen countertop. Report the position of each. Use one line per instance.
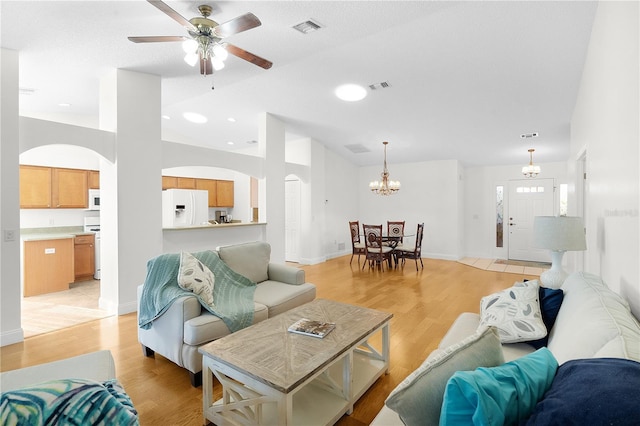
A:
(53, 233)
(211, 226)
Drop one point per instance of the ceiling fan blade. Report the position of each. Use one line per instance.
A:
(248, 56)
(237, 25)
(162, 6)
(157, 39)
(206, 67)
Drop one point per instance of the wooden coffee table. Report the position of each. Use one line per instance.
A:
(273, 377)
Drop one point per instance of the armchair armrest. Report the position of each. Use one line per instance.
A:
(286, 274)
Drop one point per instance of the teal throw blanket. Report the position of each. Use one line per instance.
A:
(232, 292)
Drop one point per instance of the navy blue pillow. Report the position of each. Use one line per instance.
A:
(594, 391)
(550, 302)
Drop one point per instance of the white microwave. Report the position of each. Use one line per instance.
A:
(94, 199)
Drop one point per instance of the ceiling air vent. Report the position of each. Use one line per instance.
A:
(379, 86)
(529, 135)
(307, 27)
(26, 91)
(357, 148)
(252, 142)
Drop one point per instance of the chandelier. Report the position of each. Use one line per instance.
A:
(386, 186)
(531, 171)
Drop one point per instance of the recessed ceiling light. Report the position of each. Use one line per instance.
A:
(166, 117)
(351, 92)
(195, 117)
(230, 143)
(231, 119)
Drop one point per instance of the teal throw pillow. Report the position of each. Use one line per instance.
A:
(500, 395)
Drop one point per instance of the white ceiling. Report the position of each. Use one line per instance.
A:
(467, 78)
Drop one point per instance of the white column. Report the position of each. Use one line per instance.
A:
(10, 299)
(271, 146)
(131, 198)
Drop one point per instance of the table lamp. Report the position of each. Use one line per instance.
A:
(557, 234)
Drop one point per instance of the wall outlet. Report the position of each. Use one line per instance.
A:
(9, 235)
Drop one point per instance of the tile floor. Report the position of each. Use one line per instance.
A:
(62, 309)
(509, 266)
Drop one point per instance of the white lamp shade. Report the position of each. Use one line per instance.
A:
(560, 233)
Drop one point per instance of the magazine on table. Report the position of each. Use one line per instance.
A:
(312, 328)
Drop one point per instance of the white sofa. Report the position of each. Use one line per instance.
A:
(593, 322)
(185, 325)
(98, 366)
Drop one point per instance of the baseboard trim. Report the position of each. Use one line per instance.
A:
(11, 337)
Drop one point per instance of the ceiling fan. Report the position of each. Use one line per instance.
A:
(205, 43)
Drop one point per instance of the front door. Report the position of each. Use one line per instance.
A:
(527, 199)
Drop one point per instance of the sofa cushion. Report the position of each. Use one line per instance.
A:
(550, 302)
(418, 399)
(500, 395)
(593, 321)
(207, 327)
(280, 297)
(194, 276)
(515, 312)
(249, 259)
(596, 391)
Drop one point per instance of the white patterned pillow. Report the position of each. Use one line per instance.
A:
(515, 312)
(196, 277)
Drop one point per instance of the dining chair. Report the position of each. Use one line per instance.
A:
(357, 246)
(414, 253)
(376, 253)
(395, 229)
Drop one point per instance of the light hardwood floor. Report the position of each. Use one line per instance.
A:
(424, 305)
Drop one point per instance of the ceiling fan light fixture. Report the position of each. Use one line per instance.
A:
(190, 46)
(191, 59)
(217, 63)
(220, 52)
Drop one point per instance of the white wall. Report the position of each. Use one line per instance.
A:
(430, 193)
(605, 125)
(10, 329)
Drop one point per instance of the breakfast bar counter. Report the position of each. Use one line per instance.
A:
(208, 237)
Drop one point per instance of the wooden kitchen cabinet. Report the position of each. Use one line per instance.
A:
(220, 191)
(48, 266)
(35, 187)
(69, 189)
(211, 186)
(50, 187)
(84, 257)
(93, 177)
(169, 182)
(187, 183)
(224, 193)
(172, 182)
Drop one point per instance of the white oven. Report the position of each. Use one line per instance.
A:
(94, 199)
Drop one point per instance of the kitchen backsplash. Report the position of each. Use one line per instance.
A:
(47, 218)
